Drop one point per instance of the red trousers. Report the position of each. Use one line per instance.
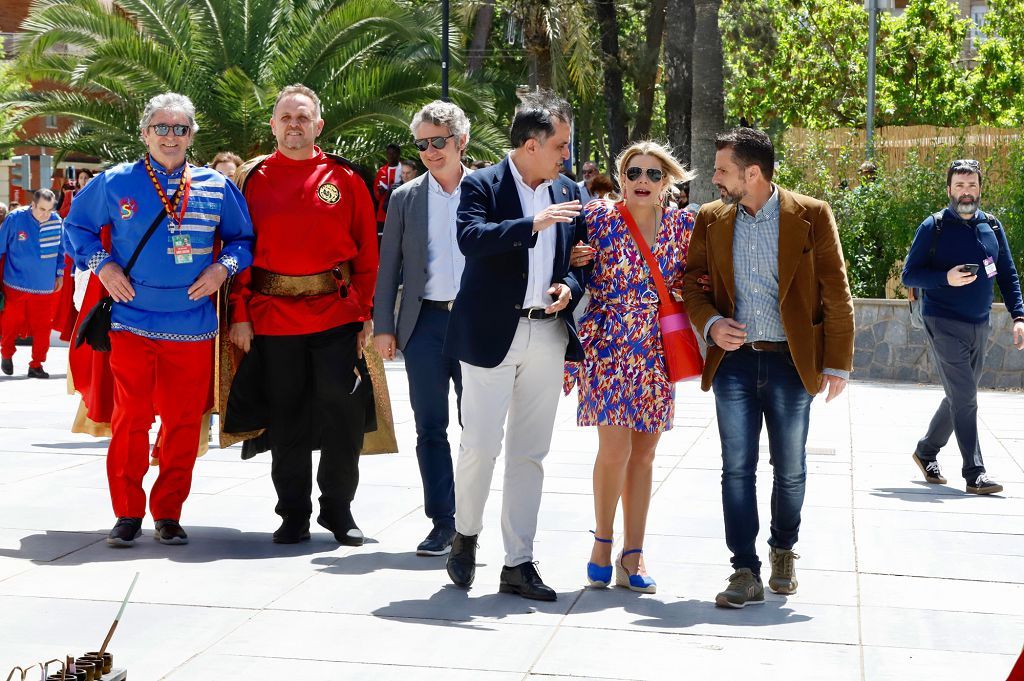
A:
(170, 378)
(31, 313)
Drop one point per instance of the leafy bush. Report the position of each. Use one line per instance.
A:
(877, 220)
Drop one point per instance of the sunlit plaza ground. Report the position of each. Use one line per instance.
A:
(898, 579)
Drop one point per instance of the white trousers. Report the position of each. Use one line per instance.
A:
(524, 387)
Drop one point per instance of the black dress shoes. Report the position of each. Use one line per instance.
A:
(125, 532)
(7, 365)
(169, 532)
(343, 526)
(37, 372)
(462, 560)
(292, 531)
(525, 580)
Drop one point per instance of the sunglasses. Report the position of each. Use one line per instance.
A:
(654, 174)
(965, 163)
(438, 142)
(164, 128)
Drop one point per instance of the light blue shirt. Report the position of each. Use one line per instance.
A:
(445, 261)
(755, 261)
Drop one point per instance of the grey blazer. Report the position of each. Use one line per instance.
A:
(403, 259)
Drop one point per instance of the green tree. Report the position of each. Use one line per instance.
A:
(10, 83)
(373, 62)
(999, 74)
(796, 62)
(920, 78)
(803, 63)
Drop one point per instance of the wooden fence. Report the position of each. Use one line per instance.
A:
(894, 146)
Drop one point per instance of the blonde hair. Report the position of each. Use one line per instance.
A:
(675, 172)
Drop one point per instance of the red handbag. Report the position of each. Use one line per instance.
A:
(682, 354)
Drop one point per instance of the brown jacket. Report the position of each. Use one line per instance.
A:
(814, 295)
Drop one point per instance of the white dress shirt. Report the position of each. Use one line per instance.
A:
(542, 256)
(445, 261)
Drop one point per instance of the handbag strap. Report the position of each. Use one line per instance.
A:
(149, 232)
(645, 251)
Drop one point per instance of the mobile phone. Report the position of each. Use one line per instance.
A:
(971, 268)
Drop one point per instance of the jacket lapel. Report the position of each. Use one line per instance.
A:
(793, 229)
(559, 193)
(506, 194)
(419, 205)
(720, 235)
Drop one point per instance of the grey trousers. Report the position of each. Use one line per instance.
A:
(959, 352)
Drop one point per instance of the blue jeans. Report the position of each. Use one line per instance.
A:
(429, 373)
(749, 386)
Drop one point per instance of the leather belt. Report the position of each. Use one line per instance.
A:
(767, 346)
(536, 313)
(270, 283)
(445, 305)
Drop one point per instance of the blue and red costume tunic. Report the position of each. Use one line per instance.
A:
(33, 261)
(161, 358)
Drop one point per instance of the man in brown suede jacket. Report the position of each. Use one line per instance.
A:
(778, 319)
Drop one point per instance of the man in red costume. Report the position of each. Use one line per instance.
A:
(389, 176)
(302, 314)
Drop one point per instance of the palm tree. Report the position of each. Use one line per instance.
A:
(708, 108)
(679, 77)
(373, 63)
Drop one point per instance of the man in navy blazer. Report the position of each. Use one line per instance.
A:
(511, 327)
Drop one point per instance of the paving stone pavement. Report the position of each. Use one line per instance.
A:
(898, 579)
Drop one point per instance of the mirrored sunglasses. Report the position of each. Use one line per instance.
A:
(437, 142)
(164, 128)
(654, 174)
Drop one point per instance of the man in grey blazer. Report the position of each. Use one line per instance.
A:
(420, 250)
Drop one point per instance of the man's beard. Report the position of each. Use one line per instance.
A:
(728, 198)
(966, 207)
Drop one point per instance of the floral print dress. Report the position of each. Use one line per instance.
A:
(622, 379)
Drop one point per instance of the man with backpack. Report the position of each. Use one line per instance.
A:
(953, 259)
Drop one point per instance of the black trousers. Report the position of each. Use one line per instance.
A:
(309, 388)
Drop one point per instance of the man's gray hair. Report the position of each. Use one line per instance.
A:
(169, 101)
(299, 89)
(444, 114)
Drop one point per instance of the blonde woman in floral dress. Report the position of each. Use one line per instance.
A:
(623, 387)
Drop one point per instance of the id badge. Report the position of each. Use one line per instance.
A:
(181, 245)
(990, 267)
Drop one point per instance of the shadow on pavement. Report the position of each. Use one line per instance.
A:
(365, 563)
(459, 608)
(682, 614)
(206, 545)
(92, 444)
(921, 496)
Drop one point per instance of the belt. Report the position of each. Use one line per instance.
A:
(445, 305)
(767, 346)
(273, 284)
(536, 313)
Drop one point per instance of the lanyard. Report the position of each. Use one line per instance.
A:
(180, 195)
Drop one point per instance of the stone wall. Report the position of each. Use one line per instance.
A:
(889, 348)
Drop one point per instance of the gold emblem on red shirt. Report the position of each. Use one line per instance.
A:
(329, 193)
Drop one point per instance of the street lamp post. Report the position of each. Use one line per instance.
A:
(444, 49)
(872, 44)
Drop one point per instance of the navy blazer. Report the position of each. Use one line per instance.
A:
(495, 238)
